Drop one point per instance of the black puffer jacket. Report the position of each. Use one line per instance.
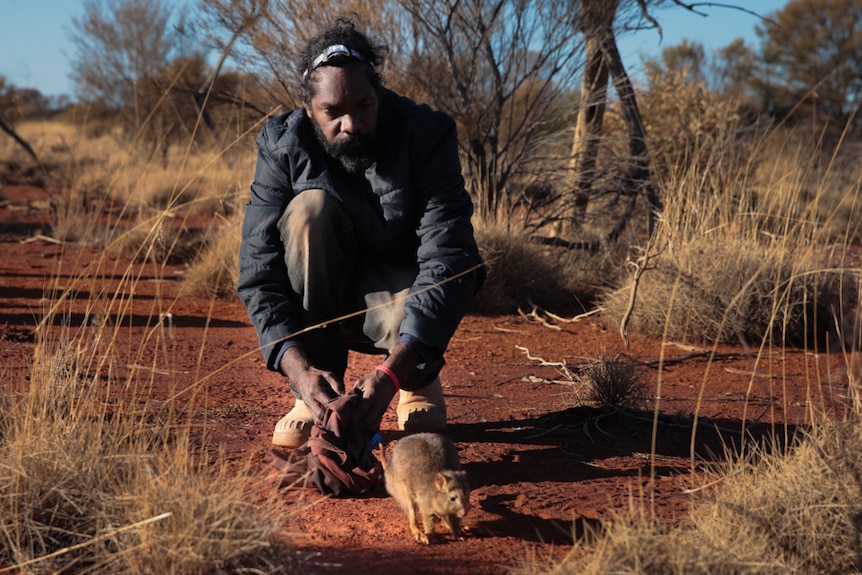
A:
(409, 207)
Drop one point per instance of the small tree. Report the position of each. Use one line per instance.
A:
(687, 58)
(734, 69)
(812, 51)
(502, 70)
(269, 34)
(136, 57)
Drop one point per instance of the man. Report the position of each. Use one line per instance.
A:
(357, 203)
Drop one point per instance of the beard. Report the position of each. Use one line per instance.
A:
(354, 152)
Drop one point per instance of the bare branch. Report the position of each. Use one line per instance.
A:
(6, 127)
(645, 13)
(693, 6)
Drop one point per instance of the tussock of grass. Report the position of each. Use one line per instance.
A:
(804, 508)
(519, 273)
(734, 290)
(161, 239)
(99, 482)
(771, 513)
(89, 483)
(614, 383)
(750, 245)
(638, 546)
(215, 270)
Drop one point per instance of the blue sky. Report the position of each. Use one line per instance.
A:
(34, 37)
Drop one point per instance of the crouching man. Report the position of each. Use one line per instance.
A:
(358, 203)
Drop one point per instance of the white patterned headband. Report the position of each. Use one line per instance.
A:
(333, 52)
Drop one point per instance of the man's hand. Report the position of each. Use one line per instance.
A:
(316, 387)
(376, 390)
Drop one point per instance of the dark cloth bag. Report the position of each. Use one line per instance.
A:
(337, 456)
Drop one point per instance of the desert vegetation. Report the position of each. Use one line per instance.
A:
(732, 216)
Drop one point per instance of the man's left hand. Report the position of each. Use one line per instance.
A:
(376, 390)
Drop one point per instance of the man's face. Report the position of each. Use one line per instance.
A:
(344, 113)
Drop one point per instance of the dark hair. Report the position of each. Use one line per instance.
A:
(343, 31)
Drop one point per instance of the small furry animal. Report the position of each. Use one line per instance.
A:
(424, 477)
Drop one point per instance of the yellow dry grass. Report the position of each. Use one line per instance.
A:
(98, 475)
(751, 249)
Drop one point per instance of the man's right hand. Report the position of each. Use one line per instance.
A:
(316, 387)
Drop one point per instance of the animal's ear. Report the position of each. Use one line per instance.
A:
(440, 481)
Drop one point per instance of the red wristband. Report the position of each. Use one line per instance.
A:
(391, 375)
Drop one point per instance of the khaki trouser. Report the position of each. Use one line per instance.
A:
(332, 279)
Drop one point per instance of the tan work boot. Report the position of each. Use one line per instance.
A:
(293, 429)
(423, 409)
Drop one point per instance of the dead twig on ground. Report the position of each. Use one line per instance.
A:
(534, 316)
(42, 238)
(538, 315)
(560, 366)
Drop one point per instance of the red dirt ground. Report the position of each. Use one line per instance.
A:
(543, 463)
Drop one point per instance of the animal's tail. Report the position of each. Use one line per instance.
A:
(384, 462)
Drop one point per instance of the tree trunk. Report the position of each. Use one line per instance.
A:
(639, 172)
(588, 131)
(597, 22)
(603, 60)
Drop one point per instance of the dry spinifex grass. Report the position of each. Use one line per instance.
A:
(99, 476)
(107, 191)
(520, 272)
(756, 261)
(770, 513)
(214, 272)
